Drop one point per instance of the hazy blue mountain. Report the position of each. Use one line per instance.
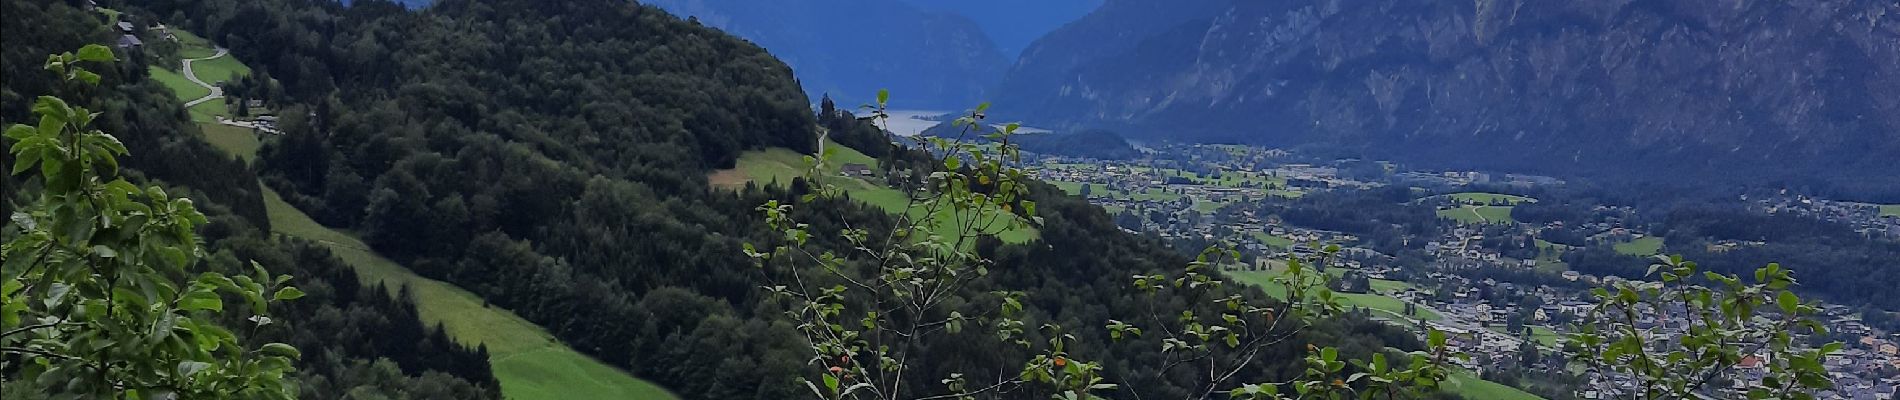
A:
(851, 48)
(1737, 91)
(1013, 24)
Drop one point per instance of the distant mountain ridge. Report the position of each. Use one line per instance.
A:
(850, 49)
(1014, 24)
(1747, 90)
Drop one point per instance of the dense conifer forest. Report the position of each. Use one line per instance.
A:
(355, 339)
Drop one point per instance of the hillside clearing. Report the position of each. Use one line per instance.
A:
(1645, 246)
(183, 88)
(1468, 385)
(1381, 304)
(1469, 214)
(529, 362)
(780, 165)
(238, 141)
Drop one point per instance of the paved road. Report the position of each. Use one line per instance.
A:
(216, 92)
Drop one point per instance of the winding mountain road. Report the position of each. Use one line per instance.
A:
(216, 92)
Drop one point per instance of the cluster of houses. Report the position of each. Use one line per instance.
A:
(1475, 312)
(1461, 178)
(129, 31)
(1862, 217)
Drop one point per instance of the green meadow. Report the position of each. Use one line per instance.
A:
(183, 88)
(529, 362)
(781, 165)
(1647, 246)
(1467, 385)
(1382, 304)
(1478, 214)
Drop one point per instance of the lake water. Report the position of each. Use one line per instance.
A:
(913, 122)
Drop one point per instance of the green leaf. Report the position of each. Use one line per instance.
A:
(94, 52)
(201, 301)
(51, 107)
(87, 76)
(20, 132)
(287, 293)
(1787, 301)
(281, 350)
(883, 97)
(189, 368)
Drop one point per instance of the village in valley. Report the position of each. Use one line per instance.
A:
(1496, 285)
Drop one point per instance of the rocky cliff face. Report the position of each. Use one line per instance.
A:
(852, 48)
(1750, 89)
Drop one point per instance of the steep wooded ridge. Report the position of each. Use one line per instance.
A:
(852, 48)
(552, 157)
(356, 340)
(1740, 91)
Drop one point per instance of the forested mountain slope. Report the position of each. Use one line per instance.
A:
(356, 340)
(1747, 91)
(852, 48)
(551, 157)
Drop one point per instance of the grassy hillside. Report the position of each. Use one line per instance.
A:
(1467, 385)
(781, 165)
(218, 70)
(178, 84)
(235, 140)
(529, 362)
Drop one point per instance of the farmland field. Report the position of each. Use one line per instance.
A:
(181, 87)
(1646, 246)
(1540, 334)
(235, 140)
(1391, 307)
(1478, 214)
(1890, 210)
(221, 69)
(1205, 206)
(1275, 241)
(1550, 257)
(208, 112)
